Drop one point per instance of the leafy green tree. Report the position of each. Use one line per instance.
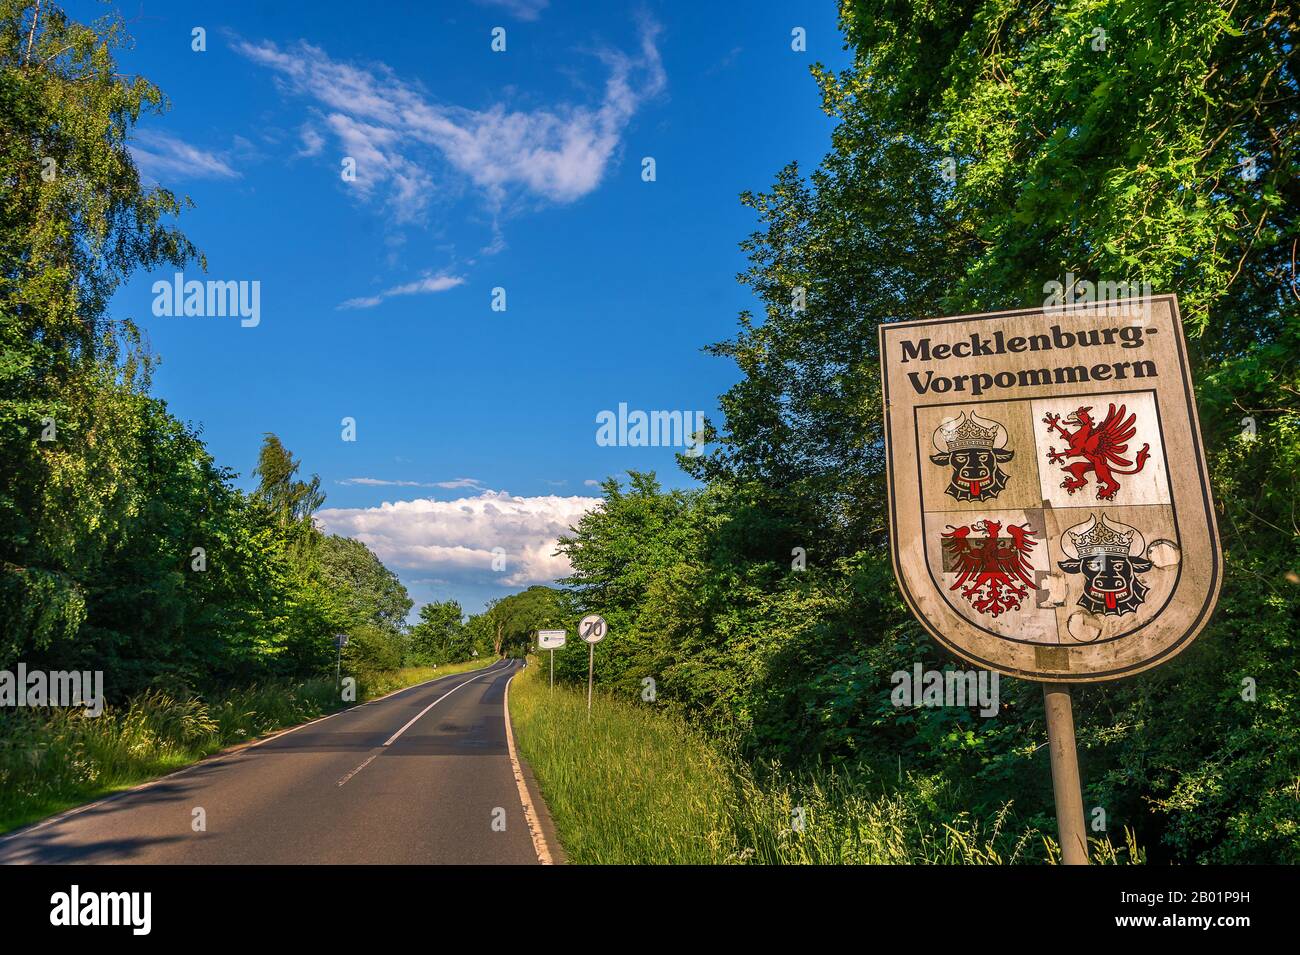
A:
(441, 635)
(371, 592)
(75, 222)
(507, 626)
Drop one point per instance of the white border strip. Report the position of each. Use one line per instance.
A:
(530, 814)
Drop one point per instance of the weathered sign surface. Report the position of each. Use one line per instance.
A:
(1049, 502)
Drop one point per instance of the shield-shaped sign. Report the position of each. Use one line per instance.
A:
(1050, 508)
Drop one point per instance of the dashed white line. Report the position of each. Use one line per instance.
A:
(414, 719)
(357, 770)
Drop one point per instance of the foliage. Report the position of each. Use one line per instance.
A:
(633, 784)
(984, 149)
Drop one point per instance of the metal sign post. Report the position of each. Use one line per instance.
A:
(1049, 504)
(339, 639)
(1065, 773)
(592, 629)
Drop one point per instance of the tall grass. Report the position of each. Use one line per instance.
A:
(52, 759)
(637, 784)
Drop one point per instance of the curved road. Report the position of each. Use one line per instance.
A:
(421, 776)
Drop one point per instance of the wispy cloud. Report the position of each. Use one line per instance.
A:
(161, 156)
(423, 286)
(399, 136)
(459, 537)
(519, 9)
(312, 141)
(455, 484)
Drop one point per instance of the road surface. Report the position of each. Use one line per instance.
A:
(422, 776)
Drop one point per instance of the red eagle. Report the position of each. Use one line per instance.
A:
(1101, 448)
(994, 571)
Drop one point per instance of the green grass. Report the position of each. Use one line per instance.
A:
(637, 784)
(54, 759)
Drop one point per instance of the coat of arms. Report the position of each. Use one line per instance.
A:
(1110, 559)
(973, 448)
(993, 571)
(1100, 449)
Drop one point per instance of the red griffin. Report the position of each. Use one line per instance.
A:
(1100, 447)
(993, 571)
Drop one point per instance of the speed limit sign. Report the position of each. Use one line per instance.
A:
(592, 628)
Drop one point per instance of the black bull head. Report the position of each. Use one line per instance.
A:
(1111, 582)
(976, 475)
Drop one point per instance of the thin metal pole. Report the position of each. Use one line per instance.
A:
(1065, 773)
(552, 669)
(338, 669)
(591, 669)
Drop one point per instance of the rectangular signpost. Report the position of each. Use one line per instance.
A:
(1050, 512)
(549, 640)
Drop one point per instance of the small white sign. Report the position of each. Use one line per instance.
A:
(551, 639)
(592, 628)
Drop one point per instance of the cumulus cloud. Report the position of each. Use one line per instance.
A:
(161, 156)
(422, 286)
(458, 537)
(398, 135)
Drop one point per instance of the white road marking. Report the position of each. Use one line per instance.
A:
(357, 770)
(391, 739)
(530, 814)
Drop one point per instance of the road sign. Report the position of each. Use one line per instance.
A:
(340, 640)
(551, 639)
(592, 628)
(1049, 505)
(1049, 501)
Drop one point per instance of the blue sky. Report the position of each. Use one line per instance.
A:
(475, 170)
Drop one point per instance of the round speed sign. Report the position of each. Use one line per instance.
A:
(592, 628)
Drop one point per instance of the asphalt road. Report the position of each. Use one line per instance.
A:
(328, 792)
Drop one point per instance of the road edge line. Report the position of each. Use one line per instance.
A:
(530, 813)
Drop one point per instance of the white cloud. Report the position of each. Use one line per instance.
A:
(519, 9)
(312, 141)
(591, 482)
(457, 538)
(162, 156)
(461, 482)
(382, 482)
(423, 286)
(399, 136)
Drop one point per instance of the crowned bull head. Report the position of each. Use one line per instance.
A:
(1110, 559)
(973, 448)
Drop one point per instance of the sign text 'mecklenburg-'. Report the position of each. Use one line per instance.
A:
(979, 346)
